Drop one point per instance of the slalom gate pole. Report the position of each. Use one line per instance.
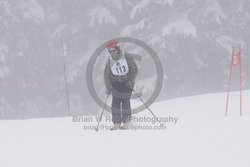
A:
(63, 54)
(236, 60)
(229, 82)
(240, 81)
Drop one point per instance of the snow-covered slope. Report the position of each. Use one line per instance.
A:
(202, 137)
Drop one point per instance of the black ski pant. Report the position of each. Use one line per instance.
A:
(121, 109)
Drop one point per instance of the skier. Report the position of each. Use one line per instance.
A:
(119, 77)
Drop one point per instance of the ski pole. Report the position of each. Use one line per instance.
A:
(63, 54)
(149, 110)
(100, 118)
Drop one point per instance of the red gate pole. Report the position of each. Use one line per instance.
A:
(229, 82)
(240, 81)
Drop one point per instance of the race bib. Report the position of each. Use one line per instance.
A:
(120, 67)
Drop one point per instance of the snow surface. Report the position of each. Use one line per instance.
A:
(202, 137)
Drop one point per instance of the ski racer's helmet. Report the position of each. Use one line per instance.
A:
(112, 44)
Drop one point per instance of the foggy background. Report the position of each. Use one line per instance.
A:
(193, 39)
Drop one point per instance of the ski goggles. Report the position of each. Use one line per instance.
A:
(112, 50)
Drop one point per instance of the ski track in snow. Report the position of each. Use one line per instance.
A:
(202, 137)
